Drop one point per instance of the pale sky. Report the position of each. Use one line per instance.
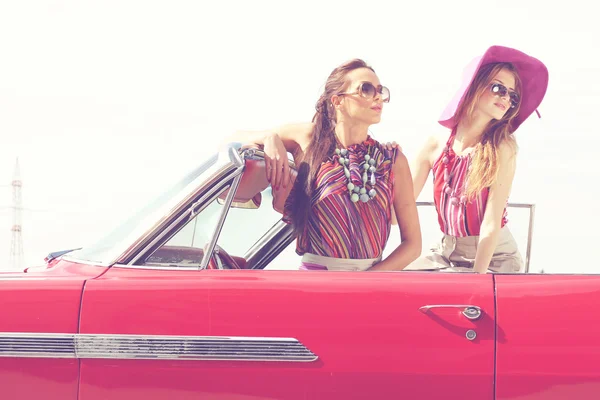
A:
(106, 102)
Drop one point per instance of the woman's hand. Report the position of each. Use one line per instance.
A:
(392, 145)
(276, 161)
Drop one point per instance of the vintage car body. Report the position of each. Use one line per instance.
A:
(181, 302)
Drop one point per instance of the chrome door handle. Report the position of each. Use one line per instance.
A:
(469, 311)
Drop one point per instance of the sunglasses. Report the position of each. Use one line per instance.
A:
(369, 91)
(500, 90)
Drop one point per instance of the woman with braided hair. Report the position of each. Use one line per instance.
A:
(348, 185)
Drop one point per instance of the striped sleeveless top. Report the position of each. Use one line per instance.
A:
(337, 227)
(456, 215)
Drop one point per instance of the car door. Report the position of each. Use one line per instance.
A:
(548, 332)
(165, 329)
(239, 334)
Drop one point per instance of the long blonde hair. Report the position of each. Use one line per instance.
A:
(484, 161)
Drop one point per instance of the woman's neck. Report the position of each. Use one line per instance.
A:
(469, 132)
(347, 134)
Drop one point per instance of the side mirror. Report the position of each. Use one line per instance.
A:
(252, 204)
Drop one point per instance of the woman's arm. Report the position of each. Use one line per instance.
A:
(408, 220)
(420, 168)
(276, 143)
(421, 165)
(494, 209)
(292, 136)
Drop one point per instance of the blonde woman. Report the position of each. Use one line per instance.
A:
(473, 164)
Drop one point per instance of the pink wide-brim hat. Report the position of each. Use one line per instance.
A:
(534, 82)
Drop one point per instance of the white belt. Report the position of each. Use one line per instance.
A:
(340, 264)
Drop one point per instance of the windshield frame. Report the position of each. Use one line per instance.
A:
(127, 238)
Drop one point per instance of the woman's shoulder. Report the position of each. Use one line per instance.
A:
(434, 143)
(508, 146)
(507, 151)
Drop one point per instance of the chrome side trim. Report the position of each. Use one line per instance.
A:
(153, 347)
(46, 345)
(192, 348)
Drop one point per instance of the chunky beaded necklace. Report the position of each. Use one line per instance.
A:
(456, 198)
(368, 166)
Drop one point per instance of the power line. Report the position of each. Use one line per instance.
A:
(25, 209)
(16, 245)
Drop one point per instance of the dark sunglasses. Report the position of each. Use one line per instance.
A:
(369, 91)
(500, 90)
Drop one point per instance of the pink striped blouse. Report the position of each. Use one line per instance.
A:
(338, 227)
(457, 217)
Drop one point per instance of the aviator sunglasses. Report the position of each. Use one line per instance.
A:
(500, 90)
(369, 91)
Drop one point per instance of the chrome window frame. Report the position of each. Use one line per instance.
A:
(230, 170)
(164, 235)
(217, 232)
(208, 192)
(164, 232)
(180, 222)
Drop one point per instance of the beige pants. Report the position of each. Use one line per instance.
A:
(458, 254)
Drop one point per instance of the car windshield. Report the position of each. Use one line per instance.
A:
(104, 250)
